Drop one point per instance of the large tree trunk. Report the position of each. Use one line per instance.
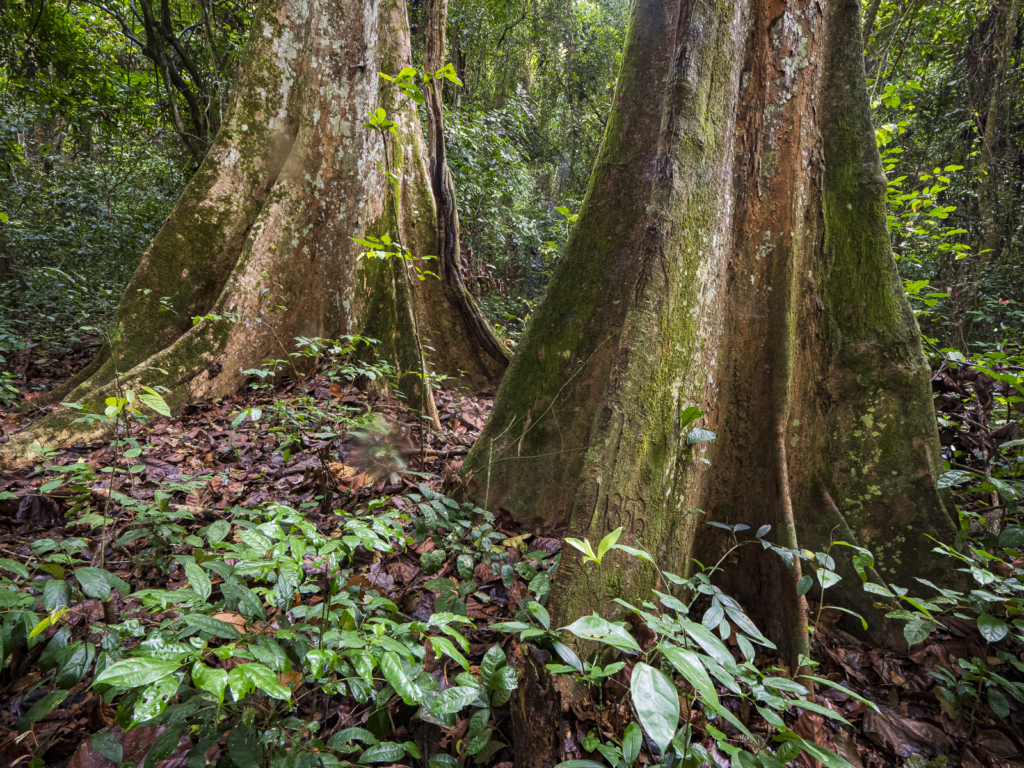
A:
(731, 254)
(268, 220)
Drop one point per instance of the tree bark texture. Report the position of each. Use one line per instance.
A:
(490, 356)
(987, 180)
(268, 221)
(731, 254)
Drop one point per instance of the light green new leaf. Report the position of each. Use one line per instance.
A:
(608, 542)
(155, 402)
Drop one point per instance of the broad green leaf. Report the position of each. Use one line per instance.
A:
(631, 743)
(56, 594)
(155, 402)
(607, 542)
(568, 655)
(212, 680)
(746, 626)
(134, 673)
(452, 700)
(95, 582)
(218, 530)
(636, 553)
(917, 630)
(783, 684)
(712, 646)
(595, 628)
(14, 567)
(540, 613)
(493, 660)
(106, 744)
(346, 735)
(656, 702)
(1012, 536)
(998, 702)
(40, 709)
(385, 752)
(215, 627)
(991, 628)
(804, 585)
(815, 707)
(264, 679)
(391, 666)
(447, 647)
(689, 415)
(818, 752)
(198, 580)
(690, 667)
(839, 687)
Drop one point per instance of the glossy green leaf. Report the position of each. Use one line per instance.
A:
(136, 672)
(991, 628)
(95, 582)
(385, 752)
(603, 631)
(391, 666)
(656, 702)
(632, 741)
(689, 666)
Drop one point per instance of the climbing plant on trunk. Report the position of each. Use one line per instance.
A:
(260, 245)
(726, 338)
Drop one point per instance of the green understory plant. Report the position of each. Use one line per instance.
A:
(688, 661)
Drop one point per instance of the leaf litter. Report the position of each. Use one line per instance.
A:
(212, 463)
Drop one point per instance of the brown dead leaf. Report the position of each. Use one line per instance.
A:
(349, 477)
(811, 727)
(287, 679)
(232, 618)
(903, 736)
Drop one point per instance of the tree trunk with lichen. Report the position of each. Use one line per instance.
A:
(732, 255)
(268, 220)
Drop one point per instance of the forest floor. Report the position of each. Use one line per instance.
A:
(212, 465)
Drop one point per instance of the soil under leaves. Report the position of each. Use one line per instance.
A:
(218, 466)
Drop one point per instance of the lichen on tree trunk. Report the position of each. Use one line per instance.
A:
(268, 222)
(731, 254)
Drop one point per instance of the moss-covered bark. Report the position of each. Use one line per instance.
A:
(268, 220)
(731, 254)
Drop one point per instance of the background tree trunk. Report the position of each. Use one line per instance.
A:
(988, 185)
(489, 355)
(268, 221)
(731, 254)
